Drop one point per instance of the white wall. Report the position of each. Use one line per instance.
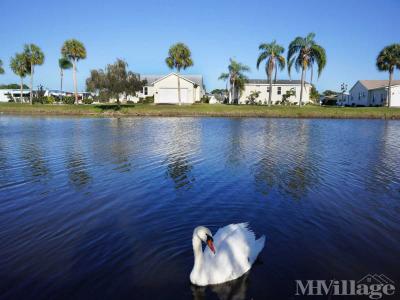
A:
(395, 96)
(4, 97)
(171, 82)
(359, 95)
(250, 87)
(377, 97)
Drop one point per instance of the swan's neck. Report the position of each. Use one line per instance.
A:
(198, 252)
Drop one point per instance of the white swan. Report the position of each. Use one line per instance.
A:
(229, 255)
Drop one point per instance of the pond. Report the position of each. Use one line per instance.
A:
(105, 208)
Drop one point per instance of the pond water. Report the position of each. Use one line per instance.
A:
(105, 208)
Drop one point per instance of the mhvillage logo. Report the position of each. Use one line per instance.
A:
(374, 286)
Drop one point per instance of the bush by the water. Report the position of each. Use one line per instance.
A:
(68, 100)
(148, 99)
(44, 100)
(87, 101)
(205, 99)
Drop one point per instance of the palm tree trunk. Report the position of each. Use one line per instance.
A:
(21, 87)
(233, 92)
(312, 72)
(179, 89)
(302, 85)
(31, 86)
(61, 79)
(276, 71)
(270, 91)
(230, 94)
(74, 78)
(61, 83)
(390, 88)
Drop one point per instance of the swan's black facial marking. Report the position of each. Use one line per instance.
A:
(210, 243)
(209, 238)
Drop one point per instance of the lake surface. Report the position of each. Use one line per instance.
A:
(105, 208)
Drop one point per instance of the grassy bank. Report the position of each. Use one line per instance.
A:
(204, 110)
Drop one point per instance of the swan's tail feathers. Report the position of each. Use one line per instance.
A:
(258, 246)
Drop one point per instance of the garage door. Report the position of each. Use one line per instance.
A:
(166, 95)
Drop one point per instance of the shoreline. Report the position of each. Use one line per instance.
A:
(202, 110)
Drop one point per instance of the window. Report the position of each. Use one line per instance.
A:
(145, 90)
(279, 90)
(363, 94)
(373, 98)
(359, 96)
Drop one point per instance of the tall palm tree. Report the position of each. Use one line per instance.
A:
(272, 54)
(1, 67)
(64, 64)
(74, 50)
(179, 57)
(387, 60)
(20, 66)
(303, 53)
(34, 57)
(236, 78)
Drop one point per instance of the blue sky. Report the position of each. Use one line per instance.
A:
(352, 32)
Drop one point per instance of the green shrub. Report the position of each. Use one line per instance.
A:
(205, 99)
(68, 100)
(87, 101)
(38, 100)
(148, 99)
(49, 100)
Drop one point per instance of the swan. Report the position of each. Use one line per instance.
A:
(230, 253)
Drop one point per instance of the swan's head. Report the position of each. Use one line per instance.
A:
(205, 235)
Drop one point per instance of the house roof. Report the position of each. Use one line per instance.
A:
(198, 79)
(378, 84)
(265, 81)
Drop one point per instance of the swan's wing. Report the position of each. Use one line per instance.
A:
(234, 245)
(226, 231)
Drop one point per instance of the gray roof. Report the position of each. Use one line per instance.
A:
(198, 79)
(265, 81)
(378, 84)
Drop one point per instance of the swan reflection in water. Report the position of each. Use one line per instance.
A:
(231, 290)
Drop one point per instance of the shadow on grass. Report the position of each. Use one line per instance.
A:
(114, 107)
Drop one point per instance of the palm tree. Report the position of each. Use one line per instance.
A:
(303, 53)
(1, 67)
(74, 50)
(272, 54)
(179, 57)
(387, 60)
(20, 66)
(235, 77)
(34, 56)
(64, 64)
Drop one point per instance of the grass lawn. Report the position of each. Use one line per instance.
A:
(216, 110)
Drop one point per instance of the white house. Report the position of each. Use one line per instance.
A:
(279, 88)
(343, 99)
(374, 93)
(164, 88)
(7, 94)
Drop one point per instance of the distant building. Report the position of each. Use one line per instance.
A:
(7, 94)
(279, 89)
(374, 93)
(164, 88)
(343, 99)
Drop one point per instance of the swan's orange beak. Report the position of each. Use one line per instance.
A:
(210, 245)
